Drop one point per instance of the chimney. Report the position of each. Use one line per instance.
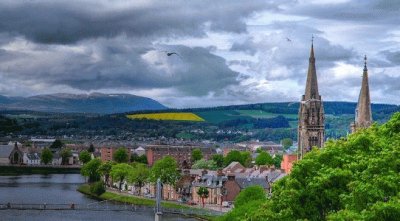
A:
(204, 172)
(231, 176)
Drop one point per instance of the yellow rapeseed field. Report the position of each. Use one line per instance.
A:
(180, 116)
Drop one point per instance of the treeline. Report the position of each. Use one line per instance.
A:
(260, 123)
(8, 125)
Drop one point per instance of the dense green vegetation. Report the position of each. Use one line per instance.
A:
(268, 121)
(353, 178)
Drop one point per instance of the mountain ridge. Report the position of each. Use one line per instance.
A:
(81, 103)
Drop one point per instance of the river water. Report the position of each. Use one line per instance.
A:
(59, 189)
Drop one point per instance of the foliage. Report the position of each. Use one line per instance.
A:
(203, 193)
(166, 169)
(120, 172)
(251, 193)
(245, 158)
(205, 164)
(233, 156)
(8, 125)
(354, 178)
(218, 159)
(287, 142)
(84, 156)
(66, 153)
(167, 116)
(57, 144)
(139, 175)
(97, 188)
(90, 170)
(139, 159)
(277, 161)
(46, 156)
(104, 170)
(264, 158)
(121, 155)
(196, 155)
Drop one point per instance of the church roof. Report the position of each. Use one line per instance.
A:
(363, 111)
(312, 83)
(5, 150)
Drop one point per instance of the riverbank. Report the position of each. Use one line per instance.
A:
(10, 170)
(144, 202)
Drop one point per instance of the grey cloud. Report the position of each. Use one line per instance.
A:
(70, 21)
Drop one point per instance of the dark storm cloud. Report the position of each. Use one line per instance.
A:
(376, 11)
(70, 21)
(118, 66)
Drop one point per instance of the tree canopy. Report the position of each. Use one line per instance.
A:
(66, 153)
(218, 159)
(250, 193)
(354, 178)
(139, 175)
(166, 169)
(90, 170)
(205, 164)
(121, 155)
(196, 155)
(57, 144)
(120, 171)
(84, 156)
(264, 158)
(47, 156)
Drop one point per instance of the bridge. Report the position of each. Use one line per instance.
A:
(105, 205)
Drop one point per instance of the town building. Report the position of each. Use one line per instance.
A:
(182, 154)
(287, 162)
(11, 154)
(363, 113)
(107, 153)
(311, 128)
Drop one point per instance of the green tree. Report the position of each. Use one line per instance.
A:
(121, 155)
(84, 156)
(139, 159)
(218, 159)
(353, 178)
(277, 161)
(251, 193)
(203, 194)
(57, 144)
(104, 170)
(196, 155)
(233, 156)
(205, 164)
(166, 169)
(90, 170)
(66, 153)
(286, 143)
(264, 158)
(120, 172)
(91, 148)
(139, 176)
(47, 156)
(245, 158)
(97, 188)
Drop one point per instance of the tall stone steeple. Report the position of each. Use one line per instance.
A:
(311, 130)
(363, 113)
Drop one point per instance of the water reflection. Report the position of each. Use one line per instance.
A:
(59, 189)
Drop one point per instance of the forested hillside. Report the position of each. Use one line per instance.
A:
(354, 178)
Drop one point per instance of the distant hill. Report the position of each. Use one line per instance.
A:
(81, 103)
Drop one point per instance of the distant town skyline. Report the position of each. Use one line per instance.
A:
(228, 52)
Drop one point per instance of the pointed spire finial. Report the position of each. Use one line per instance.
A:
(312, 39)
(365, 63)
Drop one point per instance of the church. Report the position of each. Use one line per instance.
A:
(311, 127)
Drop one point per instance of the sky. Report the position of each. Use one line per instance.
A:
(230, 52)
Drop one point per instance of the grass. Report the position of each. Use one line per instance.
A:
(180, 116)
(217, 116)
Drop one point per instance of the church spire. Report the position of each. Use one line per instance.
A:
(363, 111)
(312, 83)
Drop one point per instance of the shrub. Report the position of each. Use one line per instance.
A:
(97, 188)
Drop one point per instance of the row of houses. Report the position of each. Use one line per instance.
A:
(223, 185)
(15, 154)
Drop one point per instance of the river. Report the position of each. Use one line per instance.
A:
(59, 189)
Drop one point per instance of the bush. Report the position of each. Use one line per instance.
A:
(97, 188)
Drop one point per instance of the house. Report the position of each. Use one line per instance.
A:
(139, 151)
(31, 158)
(10, 154)
(57, 159)
(288, 161)
(214, 183)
